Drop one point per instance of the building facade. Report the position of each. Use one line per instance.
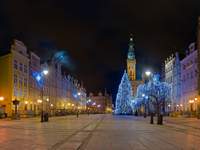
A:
(15, 77)
(34, 89)
(189, 79)
(131, 67)
(100, 103)
(172, 76)
(22, 78)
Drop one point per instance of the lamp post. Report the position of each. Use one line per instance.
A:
(16, 103)
(44, 73)
(40, 80)
(145, 98)
(88, 106)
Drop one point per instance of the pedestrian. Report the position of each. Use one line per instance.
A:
(77, 114)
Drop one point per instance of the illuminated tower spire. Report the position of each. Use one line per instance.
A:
(131, 61)
(131, 53)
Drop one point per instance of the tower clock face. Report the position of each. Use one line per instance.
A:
(130, 55)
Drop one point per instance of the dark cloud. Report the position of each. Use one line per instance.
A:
(95, 33)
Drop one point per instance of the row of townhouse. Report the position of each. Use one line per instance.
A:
(183, 76)
(18, 82)
(100, 103)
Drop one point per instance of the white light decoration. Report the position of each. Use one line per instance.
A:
(45, 72)
(158, 93)
(123, 98)
(38, 78)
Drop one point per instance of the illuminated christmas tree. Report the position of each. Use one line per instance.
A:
(123, 98)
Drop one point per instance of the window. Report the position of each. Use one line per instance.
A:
(25, 82)
(15, 80)
(15, 64)
(183, 67)
(196, 73)
(20, 82)
(25, 69)
(15, 92)
(20, 67)
(191, 75)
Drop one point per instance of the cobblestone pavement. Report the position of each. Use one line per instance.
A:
(100, 132)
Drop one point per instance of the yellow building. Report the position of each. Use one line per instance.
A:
(34, 107)
(14, 76)
(131, 62)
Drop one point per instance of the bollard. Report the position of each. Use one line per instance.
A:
(145, 115)
(151, 120)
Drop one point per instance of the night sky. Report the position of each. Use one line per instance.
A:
(95, 33)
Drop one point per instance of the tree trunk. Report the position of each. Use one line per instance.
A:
(151, 121)
(158, 113)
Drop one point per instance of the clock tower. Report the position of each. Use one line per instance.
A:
(131, 61)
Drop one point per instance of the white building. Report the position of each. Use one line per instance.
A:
(172, 75)
(189, 79)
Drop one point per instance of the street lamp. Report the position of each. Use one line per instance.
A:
(39, 101)
(147, 73)
(1, 98)
(40, 79)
